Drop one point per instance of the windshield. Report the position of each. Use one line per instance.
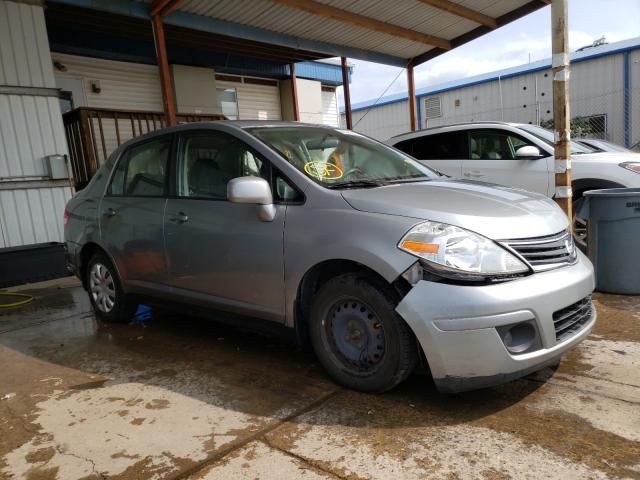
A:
(342, 158)
(547, 137)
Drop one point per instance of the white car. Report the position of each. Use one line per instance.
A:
(518, 155)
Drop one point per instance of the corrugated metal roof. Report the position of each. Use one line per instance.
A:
(608, 49)
(408, 14)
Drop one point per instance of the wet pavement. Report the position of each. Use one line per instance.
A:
(188, 398)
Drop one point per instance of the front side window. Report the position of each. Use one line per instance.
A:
(142, 170)
(207, 161)
(341, 158)
(495, 145)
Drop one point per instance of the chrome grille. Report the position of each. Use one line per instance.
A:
(544, 253)
(569, 320)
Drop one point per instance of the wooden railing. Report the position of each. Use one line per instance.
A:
(93, 133)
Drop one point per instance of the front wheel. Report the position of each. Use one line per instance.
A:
(357, 335)
(579, 225)
(109, 302)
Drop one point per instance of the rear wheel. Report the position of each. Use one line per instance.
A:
(105, 292)
(357, 335)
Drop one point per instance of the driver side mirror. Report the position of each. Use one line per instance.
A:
(255, 191)
(528, 152)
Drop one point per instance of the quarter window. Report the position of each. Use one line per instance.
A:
(209, 160)
(142, 170)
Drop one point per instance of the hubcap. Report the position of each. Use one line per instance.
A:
(102, 288)
(355, 334)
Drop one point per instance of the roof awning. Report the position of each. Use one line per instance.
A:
(381, 31)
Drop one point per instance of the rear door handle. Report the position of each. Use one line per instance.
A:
(110, 212)
(181, 217)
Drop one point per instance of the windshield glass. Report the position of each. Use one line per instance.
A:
(342, 158)
(547, 137)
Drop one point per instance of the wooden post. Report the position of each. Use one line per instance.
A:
(561, 112)
(294, 92)
(347, 93)
(165, 75)
(413, 112)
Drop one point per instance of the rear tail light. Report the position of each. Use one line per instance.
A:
(66, 217)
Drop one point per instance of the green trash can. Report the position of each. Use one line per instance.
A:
(613, 233)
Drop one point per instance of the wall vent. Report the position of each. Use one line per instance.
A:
(432, 107)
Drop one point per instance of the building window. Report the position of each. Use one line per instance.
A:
(228, 99)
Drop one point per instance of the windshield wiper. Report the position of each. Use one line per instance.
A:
(357, 184)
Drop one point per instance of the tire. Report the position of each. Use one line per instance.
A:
(108, 300)
(357, 335)
(579, 225)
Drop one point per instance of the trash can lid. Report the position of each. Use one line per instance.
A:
(613, 192)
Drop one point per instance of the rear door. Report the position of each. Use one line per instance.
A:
(444, 152)
(493, 159)
(132, 214)
(220, 253)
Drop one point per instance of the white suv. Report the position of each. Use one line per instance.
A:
(517, 155)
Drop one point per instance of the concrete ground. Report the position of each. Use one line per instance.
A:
(186, 398)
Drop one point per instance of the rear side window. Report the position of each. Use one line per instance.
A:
(443, 146)
(142, 170)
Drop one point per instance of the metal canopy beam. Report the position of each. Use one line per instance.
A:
(355, 19)
(501, 21)
(463, 12)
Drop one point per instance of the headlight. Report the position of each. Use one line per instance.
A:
(633, 166)
(455, 252)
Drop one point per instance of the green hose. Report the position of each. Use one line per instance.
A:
(23, 296)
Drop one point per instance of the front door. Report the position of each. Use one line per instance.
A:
(132, 215)
(220, 253)
(493, 159)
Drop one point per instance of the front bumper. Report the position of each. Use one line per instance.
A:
(456, 325)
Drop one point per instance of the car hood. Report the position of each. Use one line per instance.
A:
(496, 212)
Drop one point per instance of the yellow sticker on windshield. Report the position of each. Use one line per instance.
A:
(323, 170)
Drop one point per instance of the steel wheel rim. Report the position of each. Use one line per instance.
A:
(102, 288)
(355, 335)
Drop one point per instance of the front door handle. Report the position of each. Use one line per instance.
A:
(181, 217)
(474, 174)
(110, 212)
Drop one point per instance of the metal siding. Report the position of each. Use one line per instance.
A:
(30, 129)
(597, 87)
(383, 122)
(24, 52)
(124, 85)
(256, 102)
(330, 109)
(30, 216)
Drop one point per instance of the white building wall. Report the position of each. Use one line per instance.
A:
(123, 85)
(382, 122)
(31, 204)
(596, 89)
(255, 102)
